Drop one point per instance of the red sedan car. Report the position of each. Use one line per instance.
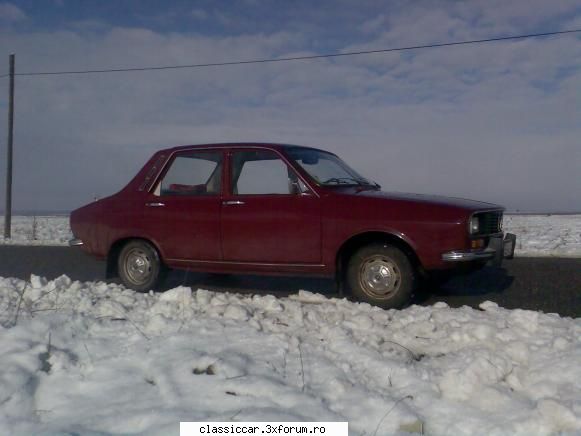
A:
(285, 210)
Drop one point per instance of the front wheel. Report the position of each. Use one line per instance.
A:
(139, 266)
(382, 275)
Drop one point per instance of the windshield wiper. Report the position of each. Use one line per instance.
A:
(350, 181)
(342, 181)
(371, 183)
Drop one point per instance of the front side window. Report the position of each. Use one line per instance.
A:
(261, 172)
(193, 173)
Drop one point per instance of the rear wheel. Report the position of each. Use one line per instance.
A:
(139, 266)
(382, 275)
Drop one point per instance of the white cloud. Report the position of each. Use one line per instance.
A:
(10, 13)
(373, 24)
(199, 14)
(500, 13)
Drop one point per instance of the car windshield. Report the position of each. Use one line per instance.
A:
(326, 168)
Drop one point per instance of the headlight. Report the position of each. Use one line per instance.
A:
(474, 225)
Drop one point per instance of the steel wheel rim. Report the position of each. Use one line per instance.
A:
(379, 277)
(137, 265)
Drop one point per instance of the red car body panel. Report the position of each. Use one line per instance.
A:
(274, 234)
(260, 230)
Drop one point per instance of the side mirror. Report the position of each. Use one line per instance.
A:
(298, 188)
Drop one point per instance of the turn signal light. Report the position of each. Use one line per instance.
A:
(477, 243)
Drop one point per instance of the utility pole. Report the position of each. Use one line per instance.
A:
(8, 208)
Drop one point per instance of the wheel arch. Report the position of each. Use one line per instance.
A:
(115, 249)
(355, 242)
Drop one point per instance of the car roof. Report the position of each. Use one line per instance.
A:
(230, 145)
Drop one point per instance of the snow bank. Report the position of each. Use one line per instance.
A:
(94, 358)
(537, 235)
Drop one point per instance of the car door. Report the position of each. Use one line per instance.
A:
(268, 213)
(182, 214)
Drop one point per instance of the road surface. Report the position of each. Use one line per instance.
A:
(551, 285)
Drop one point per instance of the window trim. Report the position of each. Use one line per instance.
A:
(226, 150)
(228, 188)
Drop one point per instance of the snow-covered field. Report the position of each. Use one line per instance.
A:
(95, 358)
(537, 235)
(40, 230)
(546, 235)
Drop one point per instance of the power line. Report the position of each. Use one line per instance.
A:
(297, 58)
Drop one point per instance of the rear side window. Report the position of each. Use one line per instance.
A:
(193, 173)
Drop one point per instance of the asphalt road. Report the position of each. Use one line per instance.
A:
(551, 285)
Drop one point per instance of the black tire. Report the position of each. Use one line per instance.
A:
(382, 275)
(139, 266)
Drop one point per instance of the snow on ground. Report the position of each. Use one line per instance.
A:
(96, 358)
(39, 230)
(537, 235)
(545, 235)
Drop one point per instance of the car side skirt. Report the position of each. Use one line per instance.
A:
(251, 267)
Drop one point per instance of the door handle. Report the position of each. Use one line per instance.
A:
(232, 202)
(155, 204)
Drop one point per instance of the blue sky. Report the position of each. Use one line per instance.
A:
(330, 24)
(497, 122)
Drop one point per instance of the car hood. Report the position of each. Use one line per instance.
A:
(436, 200)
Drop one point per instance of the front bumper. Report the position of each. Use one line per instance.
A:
(75, 242)
(497, 250)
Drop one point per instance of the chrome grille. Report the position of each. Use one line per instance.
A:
(489, 222)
